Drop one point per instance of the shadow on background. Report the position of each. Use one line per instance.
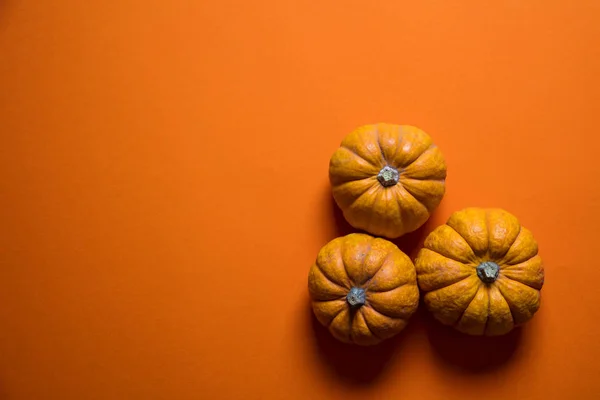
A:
(471, 354)
(4, 9)
(412, 242)
(362, 365)
(358, 365)
(343, 228)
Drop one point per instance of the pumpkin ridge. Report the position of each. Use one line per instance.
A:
(467, 307)
(512, 317)
(362, 194)
(368, 326)
(403, 209)
(372, 215)
(512, 314)
(368, 282)
(398, 141)
(383, 159)
(466, 269)
(331, 324)
(510, 269)
(516, 280)
(403, 176)
(335, 316)
(431, 146)
(363, 167)
(487, 226)
(430, 164)
(345, 270)
(404, 306)
(509, 302)
(517, 258)
(510, 248)
(384, 314)
(452, 258)
(369, 187)
(465, 239)
(329, 279)
(449, 258)
(357, 155)
(339, 254)
(462, 278)
(487, 319)
(514, 241)
(414, 196)
(350, 279)
(326, 301)
(353, 180)
(314, 302)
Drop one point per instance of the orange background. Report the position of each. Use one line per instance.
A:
(164, 190)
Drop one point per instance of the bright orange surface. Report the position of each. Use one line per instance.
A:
(164, 191)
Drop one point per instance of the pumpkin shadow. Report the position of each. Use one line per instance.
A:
(471, 354)
(354, 364)
(4, 10)
(412, 242)
(342, 227)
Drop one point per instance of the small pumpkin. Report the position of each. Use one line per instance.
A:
(363, 289)
(387, 178)
(481, 272)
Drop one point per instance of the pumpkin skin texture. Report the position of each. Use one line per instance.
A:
(363, 289)
(481, 272)
(387, 179)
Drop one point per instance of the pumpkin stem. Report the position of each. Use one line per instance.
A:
(488, 271)
(356, 297)
(388, 176)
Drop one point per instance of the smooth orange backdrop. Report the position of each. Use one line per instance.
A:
(163, 191)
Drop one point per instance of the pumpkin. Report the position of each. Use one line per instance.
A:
(363, 289)
(387, 179)
(481, 272)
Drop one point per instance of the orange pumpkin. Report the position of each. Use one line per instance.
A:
(387, 179)
(363, 289)
(481, 272)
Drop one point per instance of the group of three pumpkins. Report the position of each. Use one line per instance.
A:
(479, 272)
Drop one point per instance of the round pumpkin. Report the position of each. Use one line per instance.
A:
(363, 289)
(387, 179)
(481, 272)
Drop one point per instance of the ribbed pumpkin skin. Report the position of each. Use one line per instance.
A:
(376, 266)
(367, 204)
(447, 270)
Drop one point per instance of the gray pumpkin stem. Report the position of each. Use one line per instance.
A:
(356, 297)
(488, 271)
(388, 176)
